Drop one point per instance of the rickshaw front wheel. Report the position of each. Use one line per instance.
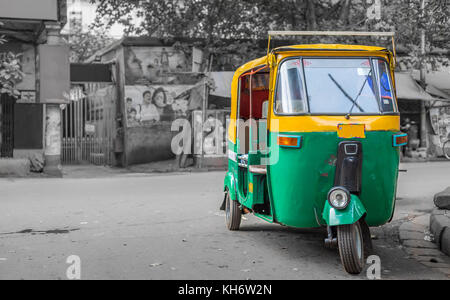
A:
(232, 213)
(351, 247)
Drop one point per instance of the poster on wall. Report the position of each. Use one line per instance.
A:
(155, 65)
(440, 122)
(150, 105)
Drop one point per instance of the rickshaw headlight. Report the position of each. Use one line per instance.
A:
(339, 197)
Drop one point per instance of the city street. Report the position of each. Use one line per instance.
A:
(168, 226)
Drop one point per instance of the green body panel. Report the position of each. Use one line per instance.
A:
(301, 179)
(265, 218)
(350, 215)
(230, 184)
(237, 181)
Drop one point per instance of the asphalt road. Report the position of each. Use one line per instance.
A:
(136, 226)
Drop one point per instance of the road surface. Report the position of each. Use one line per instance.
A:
(168, 226)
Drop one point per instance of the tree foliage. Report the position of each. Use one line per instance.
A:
(85, 43)
(10, 71)
(216, 20)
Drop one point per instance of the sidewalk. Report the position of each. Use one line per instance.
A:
(440, 228)
(421, 159)
(427, 237)
(440, 221)
(169, 166)
(91, 171)
(417, 242)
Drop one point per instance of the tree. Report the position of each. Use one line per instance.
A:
(407, 18)
(215, 20)
(85, 43)
(10, 71)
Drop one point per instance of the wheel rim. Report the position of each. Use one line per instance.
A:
(358, 242)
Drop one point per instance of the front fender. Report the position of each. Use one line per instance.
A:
(230, 184)
(352, 214)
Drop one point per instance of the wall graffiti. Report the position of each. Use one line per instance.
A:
(148, 105)
(154, 65)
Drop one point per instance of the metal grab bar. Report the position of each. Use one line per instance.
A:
(260, 170)
(334, 33)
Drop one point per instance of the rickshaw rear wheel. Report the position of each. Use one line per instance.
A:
(233, 213)
(351, 247)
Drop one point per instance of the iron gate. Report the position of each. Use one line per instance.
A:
(6, 125)
(89, 124)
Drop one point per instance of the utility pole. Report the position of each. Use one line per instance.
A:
(423, 110)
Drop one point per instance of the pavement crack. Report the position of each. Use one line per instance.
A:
(41, 232)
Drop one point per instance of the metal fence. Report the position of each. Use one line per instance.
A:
(88, 124)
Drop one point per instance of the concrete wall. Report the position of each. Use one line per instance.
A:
(147, 122)
(29, 98)
(148, 69)
(149, 144)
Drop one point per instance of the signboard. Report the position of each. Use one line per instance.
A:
(27, 97)
(30, 9)
(197, 59)
(54, 70)
(89, 128)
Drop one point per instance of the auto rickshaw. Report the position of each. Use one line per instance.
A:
(313, 141)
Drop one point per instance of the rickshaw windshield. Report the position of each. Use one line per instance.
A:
(334, 86)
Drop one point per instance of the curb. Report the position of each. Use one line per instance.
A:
(417, 242)
(19, 168)
(440, 228)
(184, 170)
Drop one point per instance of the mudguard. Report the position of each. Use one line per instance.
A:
(230, 184)
(352, 214)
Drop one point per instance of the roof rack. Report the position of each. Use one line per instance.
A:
(332, 33)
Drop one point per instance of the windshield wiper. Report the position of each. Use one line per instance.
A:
(359, 94)
(345, 93)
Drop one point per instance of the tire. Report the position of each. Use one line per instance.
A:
(232, 213)
(446, 149)
(351, 247)
(367, 239)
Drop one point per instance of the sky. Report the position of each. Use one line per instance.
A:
(88, 14)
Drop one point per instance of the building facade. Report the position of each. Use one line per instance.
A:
(31, 122)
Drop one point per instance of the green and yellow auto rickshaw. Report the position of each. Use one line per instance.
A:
(314, 141)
